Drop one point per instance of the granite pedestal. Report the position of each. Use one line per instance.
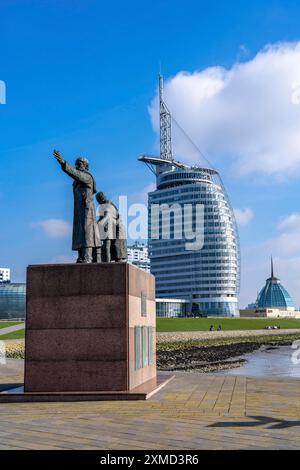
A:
(90, 332)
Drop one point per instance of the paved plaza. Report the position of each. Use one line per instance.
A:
(194, 411)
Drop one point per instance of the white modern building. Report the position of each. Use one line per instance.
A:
(4, 275)
(139, 256)
(206, 275)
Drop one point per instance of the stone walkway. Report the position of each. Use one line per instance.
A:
(11, 329)
(193, 411)
(187, 335)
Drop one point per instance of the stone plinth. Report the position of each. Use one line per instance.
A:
(89, 328)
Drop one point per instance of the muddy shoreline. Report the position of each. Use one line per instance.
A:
(209, 358)
(194, 356)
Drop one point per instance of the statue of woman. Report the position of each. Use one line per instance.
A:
(112, 231)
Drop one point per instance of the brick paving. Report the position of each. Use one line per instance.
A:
(194, 411)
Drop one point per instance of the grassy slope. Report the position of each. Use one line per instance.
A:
(7, 324)
(203, 324)
(189, 344)
(20, 334)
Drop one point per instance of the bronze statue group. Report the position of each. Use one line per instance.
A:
(102, 240)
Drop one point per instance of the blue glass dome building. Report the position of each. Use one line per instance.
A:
(12, 301)
(274, 295)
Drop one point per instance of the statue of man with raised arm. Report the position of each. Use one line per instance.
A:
(86, 235)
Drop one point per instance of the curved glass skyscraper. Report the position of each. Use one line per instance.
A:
(207, 277)
(193, 239)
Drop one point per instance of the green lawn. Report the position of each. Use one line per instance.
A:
(203, 324)
(20, 334)
(7, 324)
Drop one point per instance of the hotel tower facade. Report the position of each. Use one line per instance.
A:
(191, 279)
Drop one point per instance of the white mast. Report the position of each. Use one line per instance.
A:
(165, 125)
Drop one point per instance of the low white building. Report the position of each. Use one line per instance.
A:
(4, 275)
(269, 313)
(139, 256)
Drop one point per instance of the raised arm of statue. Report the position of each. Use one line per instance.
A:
(58, 156)
(70, 170)
(77, 175)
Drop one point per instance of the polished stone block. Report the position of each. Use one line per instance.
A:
(81, 328)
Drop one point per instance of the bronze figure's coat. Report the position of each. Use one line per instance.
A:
(85, 229)
(86, 237)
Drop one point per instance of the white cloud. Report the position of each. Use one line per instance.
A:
(54, 228)
(247, 114)
(288, 240)
(243, 216)
(291, 222)
(141, 197)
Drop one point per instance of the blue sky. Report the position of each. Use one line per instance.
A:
(80, 77)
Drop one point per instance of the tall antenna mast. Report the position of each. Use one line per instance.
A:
(165, 125)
